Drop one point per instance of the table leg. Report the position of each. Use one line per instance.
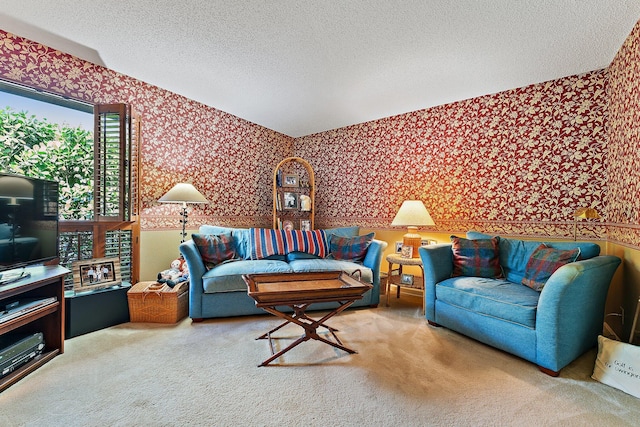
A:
(424, 292)
(308, 324)
(389, 273)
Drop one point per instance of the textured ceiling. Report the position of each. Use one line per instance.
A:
(305, 66)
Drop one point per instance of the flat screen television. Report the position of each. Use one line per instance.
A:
(28, 221)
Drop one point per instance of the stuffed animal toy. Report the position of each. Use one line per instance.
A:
(305, 203)
(171, 275)
(184, 275)
(179, 272)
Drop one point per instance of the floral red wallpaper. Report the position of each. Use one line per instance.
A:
(516, 162)
(623, 131)
(230, 160)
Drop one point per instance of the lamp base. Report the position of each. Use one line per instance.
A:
(413, 239)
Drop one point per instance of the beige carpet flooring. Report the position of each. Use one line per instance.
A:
(406, 373)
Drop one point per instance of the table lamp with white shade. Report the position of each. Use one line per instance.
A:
(183, 193)
(412, 214)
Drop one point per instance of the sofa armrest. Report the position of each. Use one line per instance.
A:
(437, 262)
(570, 313)
(191, 255)
(372, 260)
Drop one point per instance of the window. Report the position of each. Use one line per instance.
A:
(97, 167)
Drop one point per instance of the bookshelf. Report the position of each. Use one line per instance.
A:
(293, 195)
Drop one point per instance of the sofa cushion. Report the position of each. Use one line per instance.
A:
(240, 238)
(543, 262)
(227, 277)
(496, 298)
(310, 265)
(266, 242)
(292, 256)
(350, 248)
(477, 258)
(514, 253)
(214, 248)
(309, 241)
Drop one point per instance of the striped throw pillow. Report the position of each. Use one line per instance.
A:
(542, 264)
(309, 241)
(350, 248)
(476, 258)
(267, 242)
(214, 248)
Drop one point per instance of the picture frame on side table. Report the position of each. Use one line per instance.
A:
(290, 200)
(96, 273)
(290, 180)
(398, 247)
(407, 251)
(406, 279)
(305, 225)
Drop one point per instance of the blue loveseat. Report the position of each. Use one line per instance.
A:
(221, 292)
(550, 328)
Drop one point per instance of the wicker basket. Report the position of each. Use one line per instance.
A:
(157, 303)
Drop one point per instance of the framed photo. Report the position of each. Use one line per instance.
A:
(406, 279)
(305, 225)
(425, 242)
(407, 251)
(96, 273)
(290, 181)
(290, 200)
(398, 247)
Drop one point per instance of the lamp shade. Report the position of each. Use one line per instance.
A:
(586, 213)
(412, 213)
(183, 193)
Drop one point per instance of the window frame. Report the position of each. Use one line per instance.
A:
(127, 217)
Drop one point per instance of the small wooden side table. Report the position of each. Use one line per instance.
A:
(415, 282)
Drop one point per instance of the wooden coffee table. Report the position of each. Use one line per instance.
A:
(298, 291)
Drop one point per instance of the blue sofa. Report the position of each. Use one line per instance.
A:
(550, 328)
(221, 291)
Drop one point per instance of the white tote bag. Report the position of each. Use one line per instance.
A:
(618, 365)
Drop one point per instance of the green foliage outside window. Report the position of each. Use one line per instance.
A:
(37, 148)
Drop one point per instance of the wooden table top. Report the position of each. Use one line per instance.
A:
(294, 288)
